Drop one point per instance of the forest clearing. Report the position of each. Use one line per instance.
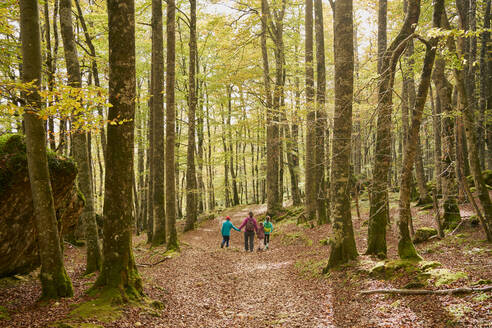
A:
(237, 163)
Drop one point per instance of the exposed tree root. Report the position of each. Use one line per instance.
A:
(461, 290)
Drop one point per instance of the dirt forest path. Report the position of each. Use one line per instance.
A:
(206, 286)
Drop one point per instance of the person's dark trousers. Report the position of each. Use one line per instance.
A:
(249, 237)
(225, 240)
(267, 239)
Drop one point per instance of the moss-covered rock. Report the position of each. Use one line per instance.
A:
(423, 234)
(445, 276)
(388, 269)
(18, 249)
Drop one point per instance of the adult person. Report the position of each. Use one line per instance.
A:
(251, 227)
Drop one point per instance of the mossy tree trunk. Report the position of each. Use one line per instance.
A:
(320, 113)
(379, 207)
(80, 145)
(406, 249)
(274, 26)
(311, 184)
(119, 271)
(159, 213)
(486, 80)
(54, 279)
(191, 183)
(469, 123)
(343, 248)
(444, 90)
(172, 242)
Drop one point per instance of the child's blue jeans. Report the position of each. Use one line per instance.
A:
(225, 240)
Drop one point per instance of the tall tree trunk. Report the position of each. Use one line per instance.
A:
(159, 211)
(94, 69)
(486, 82)
(55, 282)
(406, 249)
(150, 165)
(293, 148)
(119, 271)
(320, 112)
(80, 148)
(343, 248)
(272, 104)
(171, 124)
(230, 150)
(191, 186)
(51, 72)
(444, 90)
(467, 109)
(379, 207)
(311, 184)
(436, 128)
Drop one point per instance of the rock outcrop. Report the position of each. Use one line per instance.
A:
(18, 246)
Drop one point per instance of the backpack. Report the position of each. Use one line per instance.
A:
(250, 226)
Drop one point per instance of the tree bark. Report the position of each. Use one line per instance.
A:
(311, 184)
(406, 249)
(171, 124)
(80, 148)
(55, 282)
(191, 185)
(444, 89)
(50, 72)
(119, 271)
(343, 248)
(320, 113)
(159, 211)
(467, 109)
(486, 80)
(436, 128)
(379, 207)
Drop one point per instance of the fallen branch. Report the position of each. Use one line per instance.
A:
(457, 227)
(152, 264)
(461, 290)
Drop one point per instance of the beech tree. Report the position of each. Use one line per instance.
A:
(55, 282)
(172, 242)
(159, 213)
(80, 148)
(343, 248)
(119, 272)
(379, 206)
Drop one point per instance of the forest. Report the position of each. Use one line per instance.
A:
(239, 163)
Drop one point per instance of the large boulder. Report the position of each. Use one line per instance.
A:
(18, 245)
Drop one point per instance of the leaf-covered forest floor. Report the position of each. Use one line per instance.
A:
(205, 286)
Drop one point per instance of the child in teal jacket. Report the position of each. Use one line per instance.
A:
(226, 231)
(268, 228)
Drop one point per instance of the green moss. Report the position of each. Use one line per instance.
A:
(325, 242)
(105, 307)
(423, 234)
(311, 268)
(13, 153)
(4, 314)
(76, 325)
(388, 269)
(481, 297)
(482, 282)
(445, 276)
(295, 237)
(426, 265)
(407, 251)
